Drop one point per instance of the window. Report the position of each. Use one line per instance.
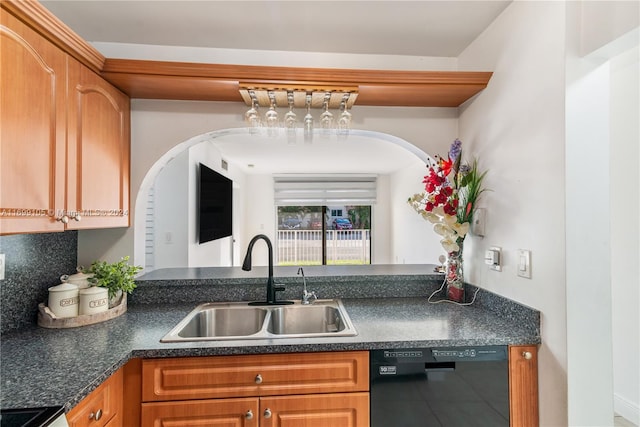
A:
(324, 219)
(314, 235)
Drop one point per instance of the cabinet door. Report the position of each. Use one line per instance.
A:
(321, 410)
(198, 413)
(98, 151)
(32, 134)
(102, 406)
(523, 386)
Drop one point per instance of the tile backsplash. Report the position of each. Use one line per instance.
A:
(34, 263)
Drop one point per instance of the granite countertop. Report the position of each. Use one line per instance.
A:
(48, 367)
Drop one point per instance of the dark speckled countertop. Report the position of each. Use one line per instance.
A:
(47, 367)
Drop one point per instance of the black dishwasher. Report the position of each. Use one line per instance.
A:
(449, 387)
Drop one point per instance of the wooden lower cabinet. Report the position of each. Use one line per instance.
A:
(103, 407)
(243, 412)
(274, 390)
(321, 410)
(270, 390)
(523, 386)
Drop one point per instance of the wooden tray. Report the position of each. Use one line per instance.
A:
(47, 319)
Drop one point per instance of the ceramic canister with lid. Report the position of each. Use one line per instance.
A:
(80, 279)
(94, 300)
(63, 300)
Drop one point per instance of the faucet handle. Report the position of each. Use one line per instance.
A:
(309, 297)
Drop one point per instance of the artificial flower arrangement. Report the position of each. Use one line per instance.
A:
(448, 202)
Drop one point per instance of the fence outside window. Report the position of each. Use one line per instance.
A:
(304, 247)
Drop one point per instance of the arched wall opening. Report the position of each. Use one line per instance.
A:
(394, 220)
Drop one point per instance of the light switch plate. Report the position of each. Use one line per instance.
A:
(523, 266)
(478, 222)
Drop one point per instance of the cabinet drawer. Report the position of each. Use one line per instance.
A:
(102, 405)
(254, 375)
(214, 413)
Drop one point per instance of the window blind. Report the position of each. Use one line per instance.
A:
(315, 190)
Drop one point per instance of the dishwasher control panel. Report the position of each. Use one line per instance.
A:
(484, 353)
(440, 354)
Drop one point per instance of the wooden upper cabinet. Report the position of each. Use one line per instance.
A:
(65, 139)
(33, 124)
(98, 151)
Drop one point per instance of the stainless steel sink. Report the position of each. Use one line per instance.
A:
(305, 319)
(223, 322)
(240, 321)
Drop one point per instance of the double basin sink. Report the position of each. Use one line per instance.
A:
(242, 321)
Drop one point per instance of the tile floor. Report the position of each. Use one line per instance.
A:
(618, 421)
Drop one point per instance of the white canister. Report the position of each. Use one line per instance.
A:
(80, 279)
(94, 300)
(63, 300)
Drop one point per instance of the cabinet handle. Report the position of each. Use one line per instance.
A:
(527, 355)
(249, 415)
(258, 379)
(96, 416)
(267, 413)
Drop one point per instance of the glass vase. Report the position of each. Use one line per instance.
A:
(454, 275)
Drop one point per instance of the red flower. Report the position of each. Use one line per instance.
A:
(446, 166)
(440, 199)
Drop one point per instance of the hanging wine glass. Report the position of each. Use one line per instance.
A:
(271, 116)
(308, 122)
(326, 118)
(290, 118)
(251, 116)
(290, 121)
(344, 123)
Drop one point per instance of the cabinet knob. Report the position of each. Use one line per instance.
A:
(63, 219)
(96, 415)
(527, 355)
(267, 413)
(249, 415)
(76, 216)
(258, 379)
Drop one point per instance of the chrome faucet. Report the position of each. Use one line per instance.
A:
(307, 297)
(271, 287)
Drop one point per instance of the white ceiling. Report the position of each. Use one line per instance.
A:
(418, 28)
(412, 28)
(360, 152)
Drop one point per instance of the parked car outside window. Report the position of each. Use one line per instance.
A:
(291, 223)
(342, 224)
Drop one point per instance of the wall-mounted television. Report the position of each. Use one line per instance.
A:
(215, 203)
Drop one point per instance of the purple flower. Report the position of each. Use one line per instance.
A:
(455, 150)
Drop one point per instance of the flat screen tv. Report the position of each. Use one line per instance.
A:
(215, 202)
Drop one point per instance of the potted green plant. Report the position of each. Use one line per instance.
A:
(117, 277)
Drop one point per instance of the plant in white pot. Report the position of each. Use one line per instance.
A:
(117, 277)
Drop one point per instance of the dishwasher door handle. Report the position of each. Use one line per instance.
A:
(439, 366)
